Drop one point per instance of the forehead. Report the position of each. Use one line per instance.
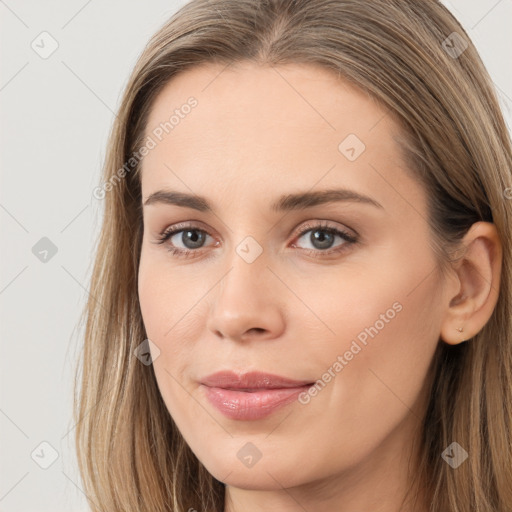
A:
(264, 96)
(256, 127)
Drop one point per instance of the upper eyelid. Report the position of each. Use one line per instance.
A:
(299, 231)
(197, 225)
(325, 224)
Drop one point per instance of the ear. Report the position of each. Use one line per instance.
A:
(476, 287)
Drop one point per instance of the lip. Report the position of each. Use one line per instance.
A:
(250, 396)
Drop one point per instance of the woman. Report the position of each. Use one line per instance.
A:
(302, 298)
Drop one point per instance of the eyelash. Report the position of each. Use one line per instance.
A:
(187, 253)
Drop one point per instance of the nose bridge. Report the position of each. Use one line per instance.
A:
(242, 301)
(247, 254)
(247, 272)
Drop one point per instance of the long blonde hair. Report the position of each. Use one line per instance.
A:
(131, 455)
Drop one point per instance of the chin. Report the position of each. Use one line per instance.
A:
(274, 473)
(253, 479)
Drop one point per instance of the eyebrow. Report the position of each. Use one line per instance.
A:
(288, 202)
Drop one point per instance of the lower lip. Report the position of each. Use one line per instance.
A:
(244, 405)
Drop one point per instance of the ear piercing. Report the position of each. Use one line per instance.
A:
(460, 329)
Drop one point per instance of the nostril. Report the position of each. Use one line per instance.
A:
(257, 329)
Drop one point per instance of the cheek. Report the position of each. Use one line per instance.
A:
(173, 316)
(373, 370)
(384, 315)
(164, 297)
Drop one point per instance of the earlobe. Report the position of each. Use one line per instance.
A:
(478, 273)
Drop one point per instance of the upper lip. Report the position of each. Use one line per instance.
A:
(251, 380)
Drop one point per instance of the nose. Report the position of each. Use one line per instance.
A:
(246, 303)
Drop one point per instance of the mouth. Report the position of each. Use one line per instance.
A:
(251, 396)
(250, 381)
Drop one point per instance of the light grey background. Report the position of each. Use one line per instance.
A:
(55, 117)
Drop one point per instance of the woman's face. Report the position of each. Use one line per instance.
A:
(335, 296)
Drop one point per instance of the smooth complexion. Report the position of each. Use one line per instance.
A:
(258, 134)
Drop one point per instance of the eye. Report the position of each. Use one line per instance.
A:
(322, 239)
(191, 237)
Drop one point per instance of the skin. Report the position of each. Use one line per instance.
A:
(258, 133)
